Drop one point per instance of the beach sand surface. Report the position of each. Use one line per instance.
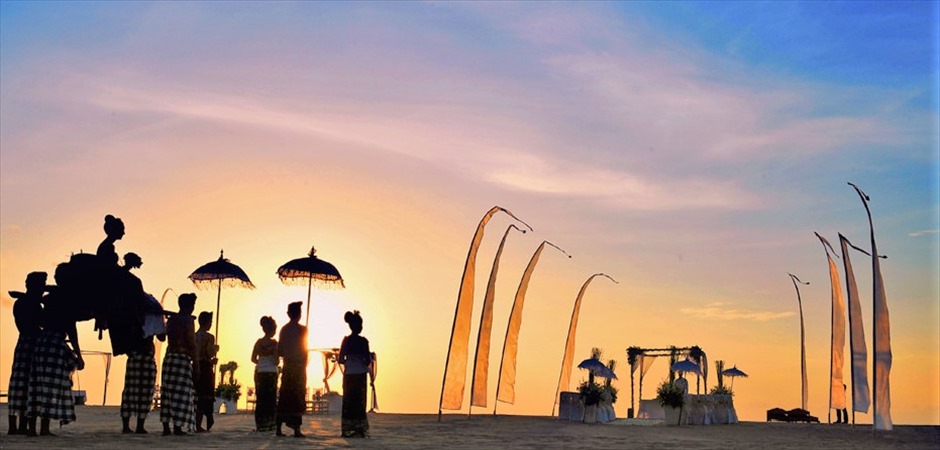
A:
(99, 427)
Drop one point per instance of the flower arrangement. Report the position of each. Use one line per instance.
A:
(232, 389)
(590, 392)
(670, 395)
(721, 390)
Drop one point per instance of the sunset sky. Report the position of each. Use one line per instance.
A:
(688, 150)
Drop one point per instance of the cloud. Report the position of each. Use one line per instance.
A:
(923, 233)
(722, 311)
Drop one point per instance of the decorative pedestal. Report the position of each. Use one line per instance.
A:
(672, 416)
(223, 406)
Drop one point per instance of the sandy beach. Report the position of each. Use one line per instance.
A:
(98, 428)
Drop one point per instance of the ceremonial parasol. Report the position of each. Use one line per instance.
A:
(734, 372)
(310, 270)
(598, 368)
(686, 366)
(220, 272)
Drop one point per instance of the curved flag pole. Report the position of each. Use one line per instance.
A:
(455, 367)
(481, 356)
(881, 342)
(564, 378)
(805, 393)
(510, 343)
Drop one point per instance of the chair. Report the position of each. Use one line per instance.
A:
(318, 404)
(251, 399)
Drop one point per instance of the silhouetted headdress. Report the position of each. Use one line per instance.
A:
(353, 318)
(112, 224)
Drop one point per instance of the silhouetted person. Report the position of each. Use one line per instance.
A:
(114, 229)
(842, 415)
(27, 315)
(355, 356)
(292, 347)
(204, 368)
(264, 355)
(50, 378)
(141, 372)
(176, 381)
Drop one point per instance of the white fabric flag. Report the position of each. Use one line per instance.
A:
(861, 399)
(481, 364)
(506, 388)
(564, 380)
(881, 334)
(882, 346)
(837, 349)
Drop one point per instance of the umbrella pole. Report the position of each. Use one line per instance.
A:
(218, 302)
(309, 284)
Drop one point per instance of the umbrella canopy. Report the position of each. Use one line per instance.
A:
(734, 372)
(597, 368)
(218, 273)
(310, 270)
(686, 366)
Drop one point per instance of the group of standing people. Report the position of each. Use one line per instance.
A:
(48, 352)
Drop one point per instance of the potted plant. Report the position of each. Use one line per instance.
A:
(672, 399)
(227, 393)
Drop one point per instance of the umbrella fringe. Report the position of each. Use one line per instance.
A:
(320, 281)
(213, 283)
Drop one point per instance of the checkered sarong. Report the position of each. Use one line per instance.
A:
(176, 391)
(19, 375)
(139, 378)
(50, 378)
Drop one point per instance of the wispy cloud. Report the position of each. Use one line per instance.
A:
(923, 233)
(724, 311)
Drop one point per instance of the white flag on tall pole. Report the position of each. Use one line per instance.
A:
(837, 348)
(506, 384)
(564, 380)
(861, 399)
(881, 334)
(481, 362)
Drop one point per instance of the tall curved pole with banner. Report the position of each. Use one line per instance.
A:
(506, 385)
(861, 397)
(455, 367)
(805, 391)
(837, 341)
(564, 378)
(881, 335)
(481, 357)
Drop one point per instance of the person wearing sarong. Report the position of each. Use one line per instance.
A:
(292, 348)
(176, 381)
(140, 374)
(355, 356)
(204, 372)
(264, 355)
(27, 315)
(52, 364)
